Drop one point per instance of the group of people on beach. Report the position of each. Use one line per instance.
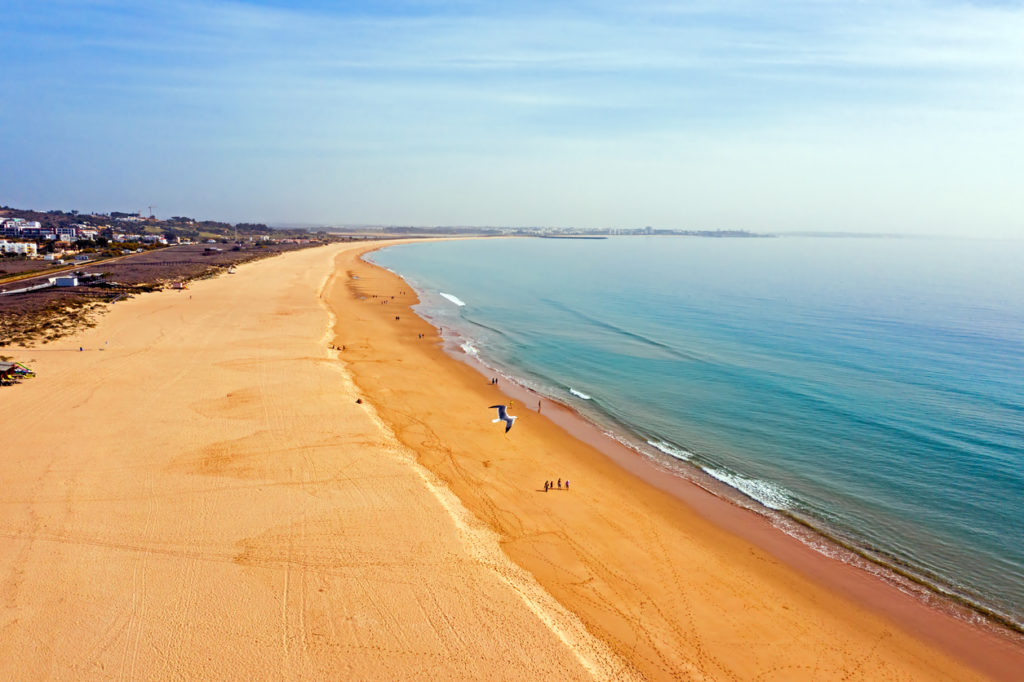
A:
(551, 485)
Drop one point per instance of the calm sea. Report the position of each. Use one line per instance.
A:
(873, 388)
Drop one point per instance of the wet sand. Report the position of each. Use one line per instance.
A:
(198, 494)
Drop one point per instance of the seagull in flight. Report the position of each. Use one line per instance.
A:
(504, 416)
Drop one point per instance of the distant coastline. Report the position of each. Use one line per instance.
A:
(570, 236)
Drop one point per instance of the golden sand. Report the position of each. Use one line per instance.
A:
(198, 494)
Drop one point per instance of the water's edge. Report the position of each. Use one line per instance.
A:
(656, 456)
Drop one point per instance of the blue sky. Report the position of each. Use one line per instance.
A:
(810, 115)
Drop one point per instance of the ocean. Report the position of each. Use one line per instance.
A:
(871, 389)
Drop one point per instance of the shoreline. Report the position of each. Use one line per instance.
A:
(654, 469)
(986, 647)
(847, 545)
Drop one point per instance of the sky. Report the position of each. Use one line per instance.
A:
(805, 115)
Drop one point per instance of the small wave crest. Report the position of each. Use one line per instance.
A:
(671, 450)
(580, 394)
(469, 349)
(454, 299)
(768, 494)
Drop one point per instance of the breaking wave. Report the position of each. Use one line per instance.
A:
(768, 494)
(454, 299)
(671, 450)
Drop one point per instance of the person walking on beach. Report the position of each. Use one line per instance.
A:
(567, 484)
(559, 483)
(545, 486)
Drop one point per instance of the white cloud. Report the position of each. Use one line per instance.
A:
(708, 101)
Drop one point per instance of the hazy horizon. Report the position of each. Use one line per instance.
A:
(795, 117)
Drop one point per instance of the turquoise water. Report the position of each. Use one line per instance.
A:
(872, 388)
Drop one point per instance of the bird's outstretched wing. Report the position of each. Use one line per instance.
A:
(504, 416)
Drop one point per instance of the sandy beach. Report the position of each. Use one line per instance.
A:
(280, 474)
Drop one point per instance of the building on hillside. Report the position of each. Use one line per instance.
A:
(68, 233)
(28, 229)
(21, 248)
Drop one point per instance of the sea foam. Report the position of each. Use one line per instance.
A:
(454, 299)
(768, 494)
(579, 394)
(671, 450)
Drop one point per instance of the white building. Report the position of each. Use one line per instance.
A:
(22, 248)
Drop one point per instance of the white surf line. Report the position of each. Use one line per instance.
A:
(454, 299)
